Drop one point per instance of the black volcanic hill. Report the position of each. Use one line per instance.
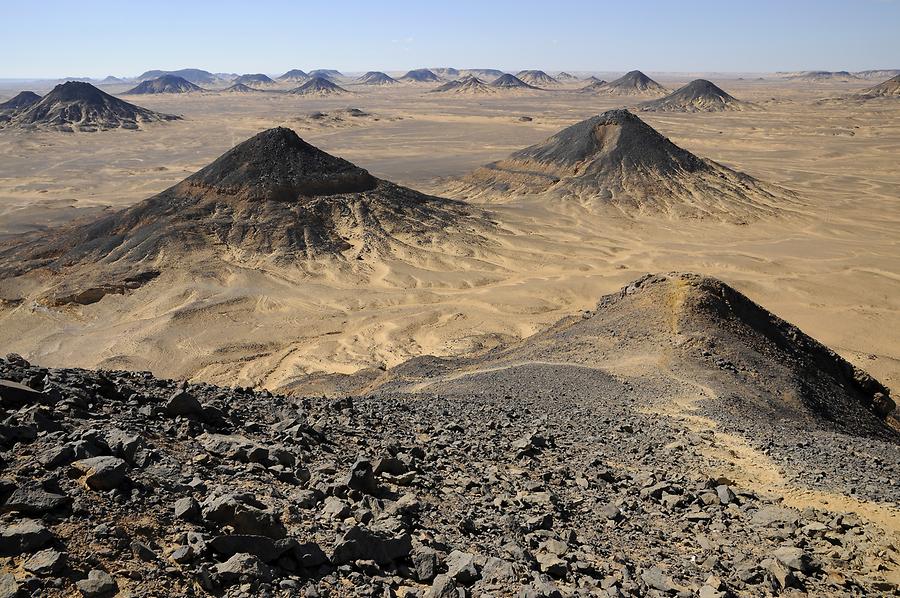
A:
(890, 88)
(241, 88)
(467, 85)
(634, 83)
(537, 78)
(507, 80)
(20, 101)
(254, 79)
(376, 78)
(294, 75)
(485, 74)
(110, 80)
(195, 76)
(595, 86)
(760, 368)
(878, 74)
(164, 84)
(420, 76)
(76, 105)
(814, 76)
(318, 86)
(272, 197)
(564, 76)
(699, 95)
(617, 159)
(277, 165)
(330, 74)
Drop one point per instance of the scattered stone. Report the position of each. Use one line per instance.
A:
(25, 536)
(187, 508)
(362, 477)
(242, 566)
(102, 473)
(97, 585)
(461, 567)
(362, 544)
(9, 587)
(45, 562)
(183, 403)
(33, 500)
(444, 587)
(426, 563)
(793, 558)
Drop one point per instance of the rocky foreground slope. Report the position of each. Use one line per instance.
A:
(680, 455)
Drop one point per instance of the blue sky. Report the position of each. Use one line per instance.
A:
(96, 38)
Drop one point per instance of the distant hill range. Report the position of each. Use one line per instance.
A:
(195, 76)
(818, 76)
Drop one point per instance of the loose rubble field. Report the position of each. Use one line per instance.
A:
(549, 481)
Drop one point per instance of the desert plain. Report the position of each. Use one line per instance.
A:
(829, 263)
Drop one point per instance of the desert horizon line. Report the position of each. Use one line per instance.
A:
(355, 71)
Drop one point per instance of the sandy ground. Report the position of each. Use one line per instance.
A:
(833, 269)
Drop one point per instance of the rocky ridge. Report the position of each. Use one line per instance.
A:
(538, 470)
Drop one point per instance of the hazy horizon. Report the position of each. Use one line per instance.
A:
(277, 36)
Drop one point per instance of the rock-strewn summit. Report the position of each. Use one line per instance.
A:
(616, 159)
(81, 106)
(699, 95)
